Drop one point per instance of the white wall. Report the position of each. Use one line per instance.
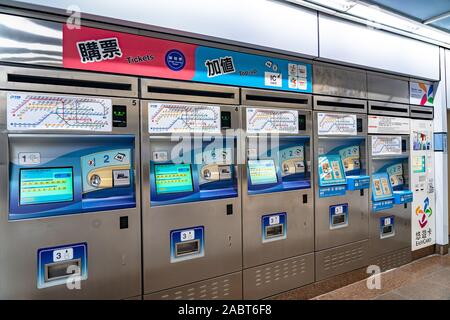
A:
(265, 23)
(356, 44)
(440, 158)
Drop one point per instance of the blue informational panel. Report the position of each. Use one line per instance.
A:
(207, 173)
(82, 174)
(62, 265)
(187, 244)
(381, 187)
(279, 169)
(331, 171)
(249, 70)
(274, 227)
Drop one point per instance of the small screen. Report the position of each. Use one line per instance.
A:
(262, 171)
(46, 185)
(173, 178)
(119, 116)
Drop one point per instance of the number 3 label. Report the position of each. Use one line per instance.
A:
(187, 235)
(63, 254)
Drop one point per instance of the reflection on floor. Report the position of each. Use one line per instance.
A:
(425, 279)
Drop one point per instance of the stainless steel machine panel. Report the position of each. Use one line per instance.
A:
(335, 261)
(112, 236)
(387, 88)
(164, 267)
(221, 288)
(392, 259)
(400, 234)
(267, 245)
(283, 275)
(339, 81)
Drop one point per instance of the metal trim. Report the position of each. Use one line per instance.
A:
(338, 100)
(44, 74)
(189, 89)
(277, 97)
(389, 109)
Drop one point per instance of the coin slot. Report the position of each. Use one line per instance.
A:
(187, 248)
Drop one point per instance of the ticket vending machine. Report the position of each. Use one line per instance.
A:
(277, 197)
(341, 182)
(70, 208)
(390, 191)
(192, 246)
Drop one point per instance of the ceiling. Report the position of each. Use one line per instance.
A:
(435, 13)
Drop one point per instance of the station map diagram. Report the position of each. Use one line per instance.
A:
(271, 120)
(179, 118)
(336, 124)
(36, 111)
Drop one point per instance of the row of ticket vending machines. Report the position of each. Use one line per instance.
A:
(118, 188)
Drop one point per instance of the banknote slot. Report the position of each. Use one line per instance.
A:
(274, 231)
(60, 270)
(121, 178)
(187, 248)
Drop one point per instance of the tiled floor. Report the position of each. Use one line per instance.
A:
(424, 279)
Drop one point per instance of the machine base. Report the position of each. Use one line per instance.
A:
(392, 259)
(221, 288)
(275, 277)
(341, 259)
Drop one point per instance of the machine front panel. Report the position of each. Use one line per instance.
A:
(277, 193)
(72, 174)
(71, 199)
(342, 181)
(191, 202)
(390, 194)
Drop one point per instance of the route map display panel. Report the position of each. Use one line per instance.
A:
(386, 145)
(272, 121)
(52, 112)
(181, 118)
(336, 124)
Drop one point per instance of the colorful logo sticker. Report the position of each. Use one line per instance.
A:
(424, 213)
(421, 94)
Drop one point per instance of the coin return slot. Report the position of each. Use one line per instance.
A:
(274, 231)
(387, 231)
(187, 247)
(338, 219)
(60, 270)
